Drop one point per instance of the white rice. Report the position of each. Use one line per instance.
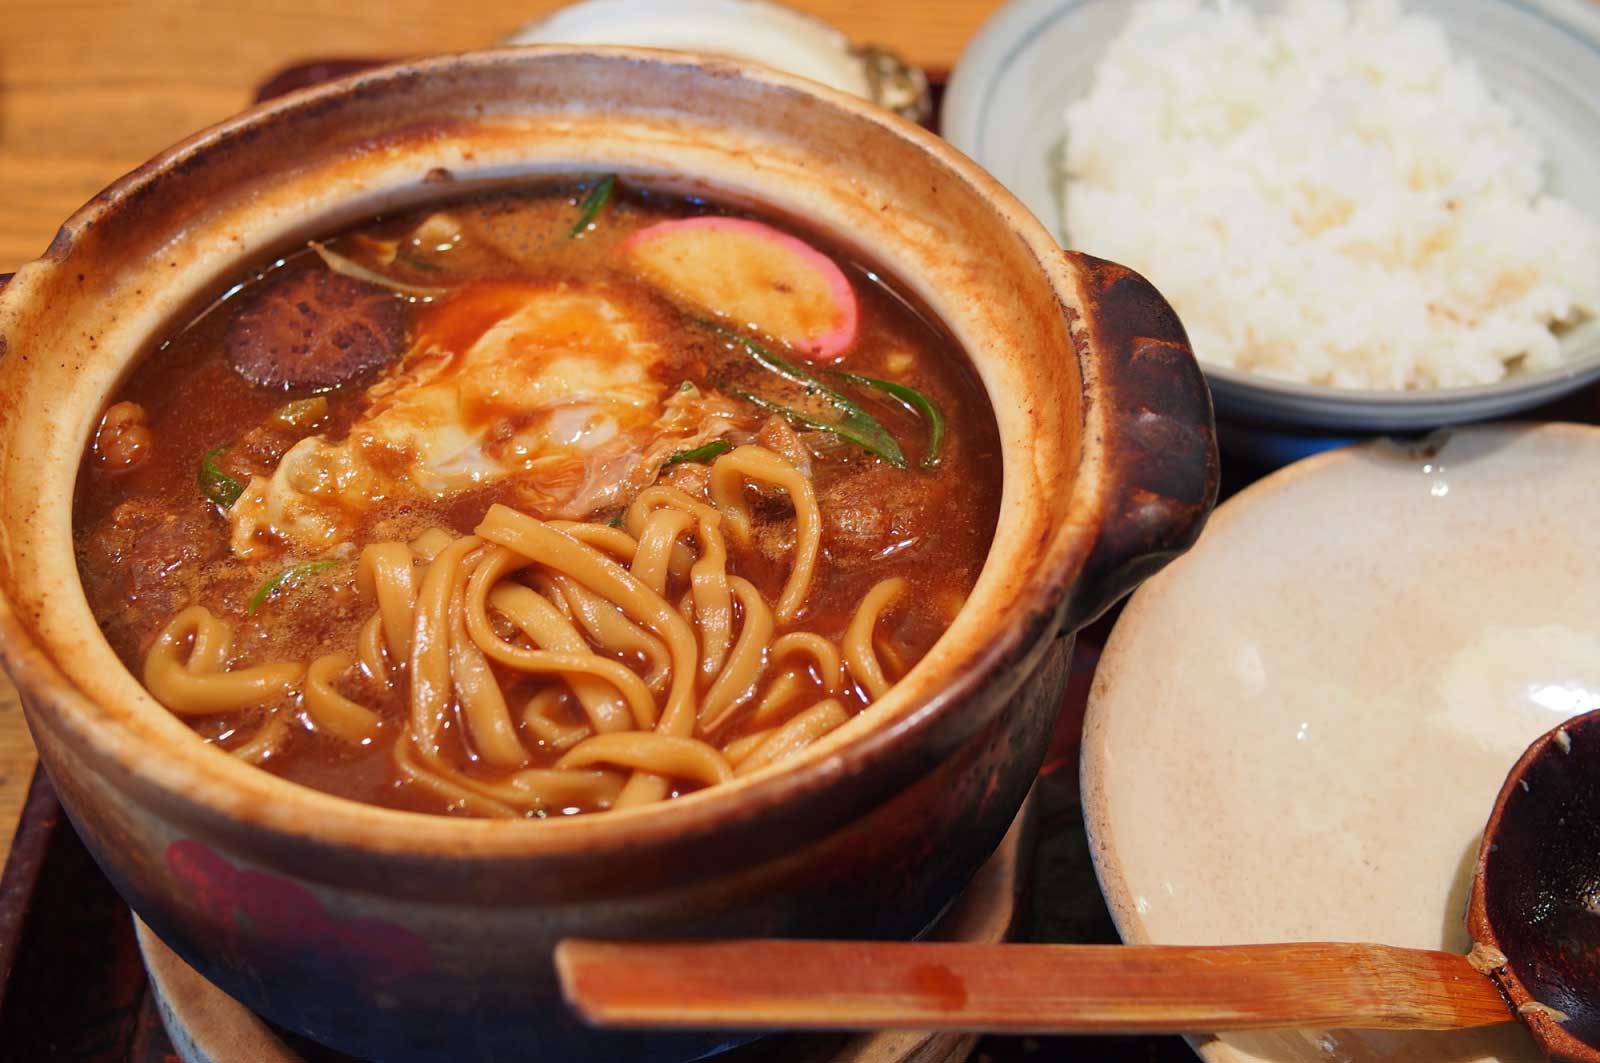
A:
(1326, 195)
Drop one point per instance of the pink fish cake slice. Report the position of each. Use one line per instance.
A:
(752, 274)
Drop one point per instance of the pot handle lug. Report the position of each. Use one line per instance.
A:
(1160, 440)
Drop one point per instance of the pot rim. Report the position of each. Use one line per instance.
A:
(303, 813)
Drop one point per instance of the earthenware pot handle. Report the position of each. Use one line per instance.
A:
(1160, 476)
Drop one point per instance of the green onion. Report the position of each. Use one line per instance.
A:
(287, 578)
(855, 424)
(215, 484)
(917, 401)
(593, 203)
(843, 431)
(701, 454)
(615, 521)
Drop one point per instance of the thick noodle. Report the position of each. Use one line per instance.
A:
(794, 736)
(536, 541)
(741, 678)
(708, 574)
(659, 754)
(268, 741)
(860, 655)
(544, 625)
(330, 710)
(540, 717)
(187, 669)
(610, 629)
(432, 689)
(728, 476)
(559, 666)
(386, 572)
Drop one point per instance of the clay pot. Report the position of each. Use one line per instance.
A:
(402, 937)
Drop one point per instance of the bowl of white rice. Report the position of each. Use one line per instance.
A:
(1371, 215)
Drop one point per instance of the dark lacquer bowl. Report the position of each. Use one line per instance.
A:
(397, 936)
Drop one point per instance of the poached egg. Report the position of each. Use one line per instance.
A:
(550, 384)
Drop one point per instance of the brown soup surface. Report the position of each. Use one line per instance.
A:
(318, 519)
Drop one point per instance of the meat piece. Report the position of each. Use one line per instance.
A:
(165, 552)
(315, 329)
(777, 435)
(692, 477)
(123, 440)
(774, 539)
(878, 511)
(856, 529)
(153, 558)
(258, 451)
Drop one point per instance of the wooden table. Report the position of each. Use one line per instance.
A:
(90, 90)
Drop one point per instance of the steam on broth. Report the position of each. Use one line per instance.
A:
(568, 499)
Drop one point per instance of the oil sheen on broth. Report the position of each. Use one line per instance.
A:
(555, 501)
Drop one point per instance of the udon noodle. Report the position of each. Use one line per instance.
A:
(563, 602)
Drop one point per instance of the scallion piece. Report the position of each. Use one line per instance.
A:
(215, 484)
(915, 399)
(843, 431)
(854, 424)
(287, 578)
(701, 454)
(593, 203)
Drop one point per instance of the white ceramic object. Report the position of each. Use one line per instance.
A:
(1298, 730)
(1008, 95)
(761, 32)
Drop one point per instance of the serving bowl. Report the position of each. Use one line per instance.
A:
(396, 936)
(1355, 654)
(1006, 107)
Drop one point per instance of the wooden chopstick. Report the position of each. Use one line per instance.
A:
(848, 985)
